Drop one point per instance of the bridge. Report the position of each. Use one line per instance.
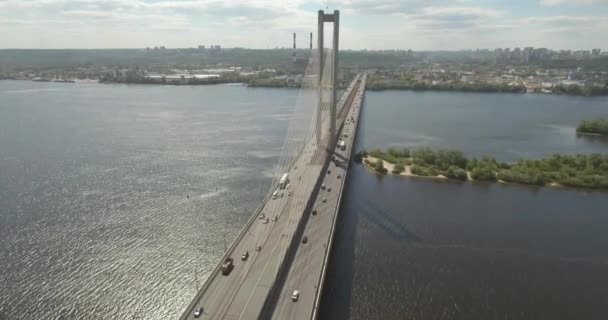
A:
(286, 244)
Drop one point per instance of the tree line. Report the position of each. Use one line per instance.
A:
(456, 85)
(597, 126)
(580, 171)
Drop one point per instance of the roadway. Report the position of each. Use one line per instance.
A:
(306, 271)
(242, 293)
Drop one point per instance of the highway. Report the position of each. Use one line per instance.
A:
(306, 271)
(243, 293)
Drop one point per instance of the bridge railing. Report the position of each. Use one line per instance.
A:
(233, 245)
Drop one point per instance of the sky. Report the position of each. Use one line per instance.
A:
(365, 24)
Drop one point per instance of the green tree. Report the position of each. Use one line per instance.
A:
(379, 167)
(398, 168)
(483, 173)
(454, 172)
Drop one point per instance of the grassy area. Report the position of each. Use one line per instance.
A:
(580, 171)
(596, 126)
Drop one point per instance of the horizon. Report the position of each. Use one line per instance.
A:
(306, 49)
(435, 25)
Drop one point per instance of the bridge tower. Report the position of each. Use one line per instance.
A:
(335, 18)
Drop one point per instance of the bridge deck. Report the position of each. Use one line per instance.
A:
(242, 293)
(306, 272)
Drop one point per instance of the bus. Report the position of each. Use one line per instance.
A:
(284, 181)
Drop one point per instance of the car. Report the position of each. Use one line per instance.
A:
(323, 186)
(258, 248)
(265, 221)
(305, 239)
(314, 212)
(274, 218)
(245, 255)
(198, 312)
(295, 295)
(261, 217)
(227, 266)
(324, 199)
(328, 189)
(339, 176)
(328, 171)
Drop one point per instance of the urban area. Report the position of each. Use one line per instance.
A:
(517, 70)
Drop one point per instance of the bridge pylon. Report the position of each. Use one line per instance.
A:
(335, 18)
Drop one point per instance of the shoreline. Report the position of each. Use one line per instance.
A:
(408, 173)
(489, 91)
(592, 134)
(246, 84)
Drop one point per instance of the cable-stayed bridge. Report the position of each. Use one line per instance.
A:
(278, 260)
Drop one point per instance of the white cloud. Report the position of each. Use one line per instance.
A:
(418, 24)
(557, 2)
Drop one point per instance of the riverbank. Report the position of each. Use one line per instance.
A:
(597, 127)
(579, 171)
(370, 163)
(381, 84)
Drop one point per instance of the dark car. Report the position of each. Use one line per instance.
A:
(305, 239)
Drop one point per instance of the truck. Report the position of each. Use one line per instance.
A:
(284, 181)
(227, 266)
(342, 145)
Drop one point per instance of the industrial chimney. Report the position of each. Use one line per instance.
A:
(311, 41)
(294, 48)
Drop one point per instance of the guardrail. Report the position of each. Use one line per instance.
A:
(227, 254)
(233, 245)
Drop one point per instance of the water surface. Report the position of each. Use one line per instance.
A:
(415, 248)
(114, 199)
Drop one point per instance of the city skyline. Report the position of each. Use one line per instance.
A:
(262, 24)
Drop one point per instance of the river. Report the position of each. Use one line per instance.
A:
(414, 248)
(116, 199)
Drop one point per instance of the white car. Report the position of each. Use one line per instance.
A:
(198, 312)
(265, 221)
(295, 295)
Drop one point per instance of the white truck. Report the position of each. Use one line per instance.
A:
(284, 181)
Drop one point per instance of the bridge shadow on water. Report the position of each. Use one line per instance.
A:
(362, 200)
(382, 219)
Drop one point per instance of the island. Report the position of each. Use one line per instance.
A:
(576, 171)
(596, 126)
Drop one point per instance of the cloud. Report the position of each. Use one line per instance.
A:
(566, 23)
(390, 6)
(577, 2)
(422, 24)
(452, 19)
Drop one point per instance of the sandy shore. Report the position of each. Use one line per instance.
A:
(408, 173)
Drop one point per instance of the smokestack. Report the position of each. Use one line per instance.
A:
(311, 41)
(294, 48)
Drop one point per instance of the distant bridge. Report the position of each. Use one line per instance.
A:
(285, 246)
